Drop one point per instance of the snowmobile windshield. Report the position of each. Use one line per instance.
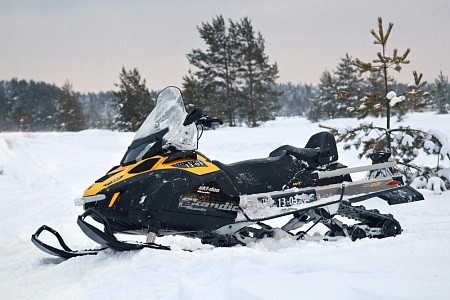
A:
(163, 128)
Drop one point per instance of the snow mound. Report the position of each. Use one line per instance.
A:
(436, 184)
(5, 152)
(419, 182)
(445, 173)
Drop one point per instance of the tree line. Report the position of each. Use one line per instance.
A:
(231, 78)
(39, 106)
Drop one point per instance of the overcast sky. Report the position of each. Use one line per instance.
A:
(88, 42)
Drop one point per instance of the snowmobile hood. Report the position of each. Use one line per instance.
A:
(191, 162)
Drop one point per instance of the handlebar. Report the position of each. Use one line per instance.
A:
(208, 121)
(196, 115)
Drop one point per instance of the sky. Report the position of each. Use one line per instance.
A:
(88, 42)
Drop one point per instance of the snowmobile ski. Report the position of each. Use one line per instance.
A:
(65, 252)
(107, 237)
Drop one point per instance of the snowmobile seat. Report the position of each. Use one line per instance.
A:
(320, 150)
(260, 175)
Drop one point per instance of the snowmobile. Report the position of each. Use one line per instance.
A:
(164, 186)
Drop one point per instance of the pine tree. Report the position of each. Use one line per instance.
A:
(402, 142)
(442, 95)
(70, 114)
(193, 94)
(348, 85)
(20, 113)
(295, 99)
(30, 105)
(217, 67)
(324, 106)
(93, 110)
(99, 109)
(373, 94)
(43, 100)
(133, 101)
(380, 66)
(256, 76)
(4, 110)
(415, 96)
(108, 108)
(233, 73)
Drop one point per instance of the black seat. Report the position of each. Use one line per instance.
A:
(272, 173)
(320, 150)
(261, 175)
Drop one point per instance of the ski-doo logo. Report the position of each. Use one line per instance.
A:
(195, 204)
(190, 164)
(207, 189)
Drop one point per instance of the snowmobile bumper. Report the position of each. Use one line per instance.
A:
(83, 200)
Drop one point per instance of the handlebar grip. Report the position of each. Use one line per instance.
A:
(215, 120)
(207, 121)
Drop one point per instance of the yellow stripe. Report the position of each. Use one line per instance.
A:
(113, 199)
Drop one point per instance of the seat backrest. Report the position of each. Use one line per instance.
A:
(324, 141)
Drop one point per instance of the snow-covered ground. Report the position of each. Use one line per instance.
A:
(44, 172)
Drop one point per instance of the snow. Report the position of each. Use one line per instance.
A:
(442, 137)
(429, 145)
(396, 100)
(350, 109)
(343, 130)
(419, 182)
(407, 140)
(44, 172)
(445, 150)
(444, 173)
(393, 99)
(391, 95)
(436, 184)
(4, 150)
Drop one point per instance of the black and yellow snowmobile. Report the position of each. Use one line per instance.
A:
(164, 186)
